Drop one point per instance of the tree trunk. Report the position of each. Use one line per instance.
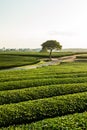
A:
(50, 54)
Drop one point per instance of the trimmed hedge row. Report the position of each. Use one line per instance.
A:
(10, 61)
(39, 54)
(81, 60)
(70, 68)
(39, 76)
(77, 121)
(82, 56)
(15, 96)
(39, 82)
(35, 110)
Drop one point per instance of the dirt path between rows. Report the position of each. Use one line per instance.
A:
(54, 61)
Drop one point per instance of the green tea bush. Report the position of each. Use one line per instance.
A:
(81, 57)
(14, 96)
(9, 61)
(77, 121)
(30, 111)
(42, 76)
(70, 122)
(39, 82)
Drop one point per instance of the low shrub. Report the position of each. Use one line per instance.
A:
(15, 96)
(30, 111)
(77, 121)
(41, 76)
(39, 82)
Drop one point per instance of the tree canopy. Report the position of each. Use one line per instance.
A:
(51, 45)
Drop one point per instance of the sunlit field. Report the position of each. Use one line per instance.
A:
(50, 98)
(15, 59)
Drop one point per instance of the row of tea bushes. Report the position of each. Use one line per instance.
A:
(69, 68)
(39, 82)
(77, 121)
(19, 95)
(82, 56)
(43, 93)
(30, 111)
(40, 76)
(9, 61)
(38, 54)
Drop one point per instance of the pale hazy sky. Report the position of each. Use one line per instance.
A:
(29, 23)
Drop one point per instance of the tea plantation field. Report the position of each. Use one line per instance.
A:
(10, 60)
(14, 59)
(47, 98)
(81, 58)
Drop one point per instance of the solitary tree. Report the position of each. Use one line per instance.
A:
(51, 45)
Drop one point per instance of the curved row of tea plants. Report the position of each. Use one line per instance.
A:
(39, 82)
(39, 54)
(81, 58)
(67, 68)
(40, 76)
(35, 110)
(9, 61)
(15, 96)
(15, 59)
(77, 121)
(47, 90)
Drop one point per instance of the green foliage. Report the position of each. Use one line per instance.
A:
(51, 45)
(26, 76)
(47, 90)
(76, 121)
(14, 96)
(14, 59)
(44, 49)
(81, 58)
(43, 108)
(10, 85)
(9, 61)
